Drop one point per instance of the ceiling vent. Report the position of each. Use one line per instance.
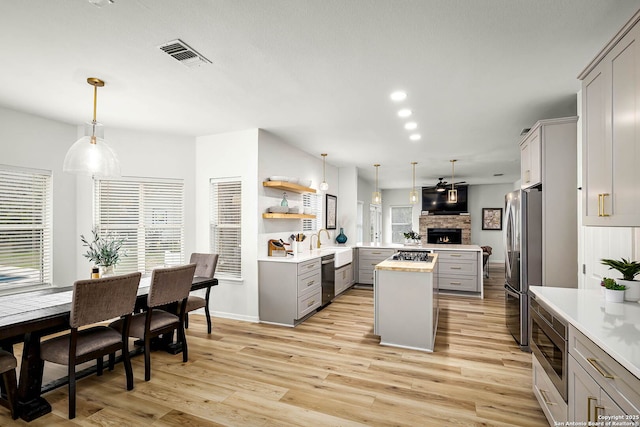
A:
(183, 53)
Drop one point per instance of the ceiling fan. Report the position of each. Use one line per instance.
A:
(443, 185)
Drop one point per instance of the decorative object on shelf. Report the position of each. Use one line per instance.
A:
(341, 238)
(613, 291)
(91, 155)
(376, 197)
(492, 218)
(284, 201)
(323, 185)
(331, 211)
(629, 270)
(452, 196)
(411, 238)
(104, 251)
(413, 194)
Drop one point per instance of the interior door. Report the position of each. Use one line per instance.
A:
(375, 219)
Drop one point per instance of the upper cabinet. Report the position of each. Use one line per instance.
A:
(611, 132)
(530, 157)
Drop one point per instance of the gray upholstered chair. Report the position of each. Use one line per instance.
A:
(8, 365)
(95, 300)
(168, 286)
(205, 267)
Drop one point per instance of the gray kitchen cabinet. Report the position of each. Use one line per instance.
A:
(598, 385)
(288, 291)
(611, 132)
(459, 270)
(343, 278)
(368, 258)
(550, 400)
(530, 160)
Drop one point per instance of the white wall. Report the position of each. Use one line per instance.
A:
(231, 155)
(348, 203)
(487, 196)
(34, 142)
(365, 188)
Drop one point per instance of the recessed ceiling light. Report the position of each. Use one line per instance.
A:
(415, 137)
(398, 96)
(405, 112)
(410, 125)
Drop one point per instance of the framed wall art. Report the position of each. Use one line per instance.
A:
(331, 211)
(492, 218)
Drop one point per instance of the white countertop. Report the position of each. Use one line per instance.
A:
(435, 246)
(614, 327)
(308, 254)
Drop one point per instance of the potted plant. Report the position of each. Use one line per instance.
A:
(613, 292)
(104, 251)
(629, 269)
(411, 238)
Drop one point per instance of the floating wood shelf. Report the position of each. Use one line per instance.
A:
(283, 185)
(287, 216)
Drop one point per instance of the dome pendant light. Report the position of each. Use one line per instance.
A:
(91, 155)
(452, 196)
(376, 197)
(323, 185)
(413, 194)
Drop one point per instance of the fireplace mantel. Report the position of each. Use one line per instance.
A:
(462, 222)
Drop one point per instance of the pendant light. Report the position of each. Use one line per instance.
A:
(91, 155)
(413, 194)
(452, 196)
(376, 197)
(323, 185)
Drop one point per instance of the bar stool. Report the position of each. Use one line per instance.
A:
(8, 365)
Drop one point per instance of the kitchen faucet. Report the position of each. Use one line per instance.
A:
(320, 231)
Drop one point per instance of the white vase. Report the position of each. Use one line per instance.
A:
(632, 293)
(106, 271)
(611, 295)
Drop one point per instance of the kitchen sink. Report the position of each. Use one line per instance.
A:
(343, 255)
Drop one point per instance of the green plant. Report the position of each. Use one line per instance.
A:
(611, 284)
(628, 268)
(103, 251)
(411, 235)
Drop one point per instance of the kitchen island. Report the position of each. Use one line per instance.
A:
(406, 303)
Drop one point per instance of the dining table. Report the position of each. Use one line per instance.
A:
(28, 316)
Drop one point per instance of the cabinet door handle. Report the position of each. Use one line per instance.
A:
(597, 417)
(543, 393)
(600, 369)
(455, 283)
(601, 207)
(310, 303)
(589, 399)
(311, 282)
(455, 268)
(455, 255)
(527, 175)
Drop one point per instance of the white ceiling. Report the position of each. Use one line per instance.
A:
(317, 73)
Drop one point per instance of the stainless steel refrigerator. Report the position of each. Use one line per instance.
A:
(523, 258)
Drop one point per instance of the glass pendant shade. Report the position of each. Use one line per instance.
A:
(376, 196)
(91, 155)
(452, 196)
(323, 185)
(413, 194)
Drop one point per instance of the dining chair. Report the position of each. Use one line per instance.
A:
(94, 301)
(205, 267)
(168, 286)
(8, 365)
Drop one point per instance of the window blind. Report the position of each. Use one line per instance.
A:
(313, 201)
(225, 235)
(149, 214)
(25, 227)
(401, 222)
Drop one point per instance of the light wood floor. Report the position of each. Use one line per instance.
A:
(329, 371)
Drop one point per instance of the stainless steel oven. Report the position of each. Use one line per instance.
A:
(549, 344)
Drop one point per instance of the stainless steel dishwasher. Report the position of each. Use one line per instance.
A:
(328, 279)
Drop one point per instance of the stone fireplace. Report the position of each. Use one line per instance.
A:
(460, 223)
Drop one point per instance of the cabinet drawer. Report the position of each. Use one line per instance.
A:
(457, 283)
(309, 266)
(458, 268)
(308, 303)
(309, 283)
(451, 256)
(620, 384)
(365, 277)
(375, 254)
(552, 404)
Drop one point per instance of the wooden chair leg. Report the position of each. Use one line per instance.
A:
(11, 387)
(206, 311)
(147, 358)
(99, 366)
(126, 359)
(186, 321)
(112, 360)
(183, 340)
(72, 392)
